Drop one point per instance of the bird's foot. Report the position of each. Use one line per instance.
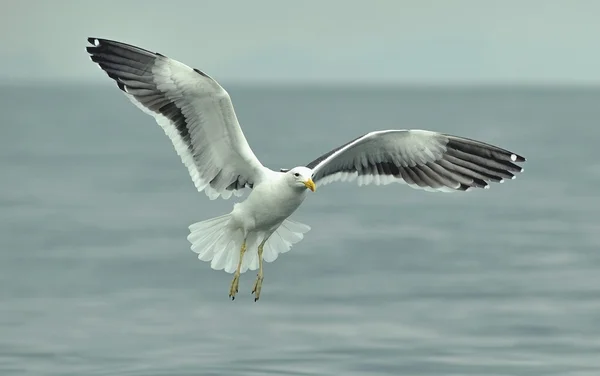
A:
(234, 286)
(257, 286)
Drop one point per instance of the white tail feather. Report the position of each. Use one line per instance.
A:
(216, 241)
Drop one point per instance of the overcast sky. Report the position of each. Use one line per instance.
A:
(420, 41)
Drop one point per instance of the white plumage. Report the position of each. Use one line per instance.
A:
(198, 116)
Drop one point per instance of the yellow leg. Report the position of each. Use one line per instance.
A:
(259, 276)
(236, 276)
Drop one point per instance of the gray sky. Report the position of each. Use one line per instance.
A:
(420, 41)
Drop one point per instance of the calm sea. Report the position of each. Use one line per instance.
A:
(97, 278)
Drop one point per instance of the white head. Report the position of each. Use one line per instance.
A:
(300, 177)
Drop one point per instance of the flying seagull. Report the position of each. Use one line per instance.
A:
(198, 116)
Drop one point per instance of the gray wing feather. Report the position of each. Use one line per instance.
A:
(194, 111)
(422, 159)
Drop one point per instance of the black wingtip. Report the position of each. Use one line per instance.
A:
(100, 43)
(121, 85)
(516, 158)
(94, 41)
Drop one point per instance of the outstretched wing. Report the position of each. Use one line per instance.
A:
(193, 110)
(422, 159)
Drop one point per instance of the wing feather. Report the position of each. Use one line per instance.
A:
(422, 159)
(194, 111)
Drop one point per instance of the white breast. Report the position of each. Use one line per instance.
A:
(268, 205)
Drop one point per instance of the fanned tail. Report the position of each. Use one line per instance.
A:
(215, 240)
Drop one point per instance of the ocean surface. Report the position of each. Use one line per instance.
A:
(97, 277)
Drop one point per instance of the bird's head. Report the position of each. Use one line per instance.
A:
(301, 177)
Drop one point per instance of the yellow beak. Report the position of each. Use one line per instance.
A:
(310, 185)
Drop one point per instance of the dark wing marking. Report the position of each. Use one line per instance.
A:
(193, 110)
(422, 159)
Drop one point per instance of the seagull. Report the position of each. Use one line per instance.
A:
(197, 115)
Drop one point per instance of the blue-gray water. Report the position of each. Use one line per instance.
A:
(97, 278)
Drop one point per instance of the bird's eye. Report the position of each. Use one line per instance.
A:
(296, 174)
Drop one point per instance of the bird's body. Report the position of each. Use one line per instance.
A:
(251, 223)
(268, 204)
(197, 115)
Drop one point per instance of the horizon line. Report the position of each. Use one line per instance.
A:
(331, 85)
